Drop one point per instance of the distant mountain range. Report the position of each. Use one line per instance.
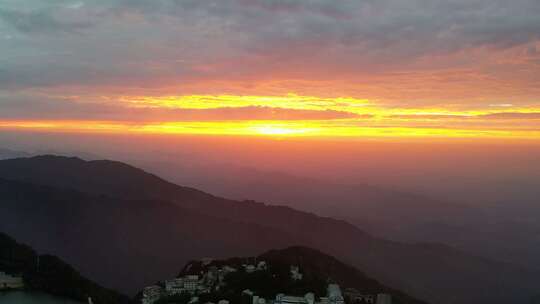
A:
(8, 153)
(126, 228)
(506, 231)
(51, 275)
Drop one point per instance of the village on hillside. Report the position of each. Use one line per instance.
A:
(213, 280)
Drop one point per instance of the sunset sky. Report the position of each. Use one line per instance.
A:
(358, 68)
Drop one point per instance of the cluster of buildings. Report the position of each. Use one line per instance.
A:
(249, 268)
(10, 282)
(213, 279)
(192, 284)
(356, 297)
(333, 296)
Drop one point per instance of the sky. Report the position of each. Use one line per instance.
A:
(343, 68)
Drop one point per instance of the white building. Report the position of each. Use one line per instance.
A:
(174, 286)
(259, 300)
(191, 283)
(228, 269)
(256, 299)
(261, 265)
(295, 273)
(384, 298)
(250, 268)
(323, 300)
(333, 296)
(309, 298)
(333, 293)
(10, 282)
(151, 294)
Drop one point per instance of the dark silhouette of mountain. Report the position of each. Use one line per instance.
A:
(98, 177)
(139, 227)
(49, 274)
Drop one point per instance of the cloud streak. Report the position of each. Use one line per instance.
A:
(42, 21)
(73, 109)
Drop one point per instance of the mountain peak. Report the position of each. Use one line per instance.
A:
(104, 177)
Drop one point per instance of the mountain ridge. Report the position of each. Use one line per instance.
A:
(281, 226)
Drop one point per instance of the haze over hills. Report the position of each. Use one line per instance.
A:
(474, 213)
(506, 230)
(8, 153)
(139, 227)
(310, 194)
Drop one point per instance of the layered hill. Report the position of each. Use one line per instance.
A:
(505, 231)
(51, 275)
(140, 227)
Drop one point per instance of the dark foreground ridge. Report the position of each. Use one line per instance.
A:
(49, 274)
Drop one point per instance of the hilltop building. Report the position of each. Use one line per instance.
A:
(333, 293)
(333, 296)
(250, 268)
(309, 298)
(151, 294)
(174, 286)
(384, 298)
(295, 273)
(261, 265)
(10, 282)
(228, 269)
(258, 300)
(191, 283)
(356, 297)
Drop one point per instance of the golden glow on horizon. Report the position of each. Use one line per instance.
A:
(268, 128)
(278, 130)
(373, 120)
